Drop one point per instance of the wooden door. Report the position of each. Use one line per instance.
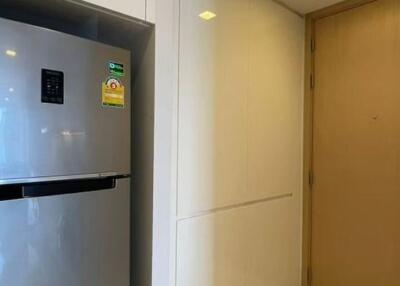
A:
(356, 148)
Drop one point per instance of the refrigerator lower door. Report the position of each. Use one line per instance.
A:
(70, 240)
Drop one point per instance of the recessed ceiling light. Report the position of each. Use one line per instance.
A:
(207, 15)
(11, 53)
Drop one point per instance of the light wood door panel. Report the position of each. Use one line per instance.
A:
(240, 103)
(257, 245)
(356, 148)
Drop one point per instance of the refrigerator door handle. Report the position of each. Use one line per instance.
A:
(42, 189)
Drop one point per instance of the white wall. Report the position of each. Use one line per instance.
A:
(134, 8)
(239, 144)
(165, 105)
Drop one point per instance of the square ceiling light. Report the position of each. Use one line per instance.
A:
(207, 15)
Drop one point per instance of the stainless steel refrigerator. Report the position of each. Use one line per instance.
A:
(64, 159)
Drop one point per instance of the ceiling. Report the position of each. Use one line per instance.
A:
(306, 6)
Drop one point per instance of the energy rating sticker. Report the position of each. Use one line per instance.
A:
(116, 69)
(113, 93)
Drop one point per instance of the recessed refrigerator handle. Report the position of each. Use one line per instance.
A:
(33, 190)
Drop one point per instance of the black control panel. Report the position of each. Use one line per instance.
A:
(52, 86)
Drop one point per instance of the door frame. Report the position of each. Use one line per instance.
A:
(310, 20)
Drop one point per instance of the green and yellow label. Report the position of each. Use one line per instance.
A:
(113, 93)
(116, 69)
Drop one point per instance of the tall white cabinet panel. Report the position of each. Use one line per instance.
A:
(240, 103)
(256, 246)
(134, 8)
(274, 101)
(214, 78)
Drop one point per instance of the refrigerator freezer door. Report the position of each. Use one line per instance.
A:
(53, 119)
(78, 240)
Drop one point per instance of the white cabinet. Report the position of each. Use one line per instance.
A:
(240, 103)
(257, 245)
(134, 8)
(239, 147)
